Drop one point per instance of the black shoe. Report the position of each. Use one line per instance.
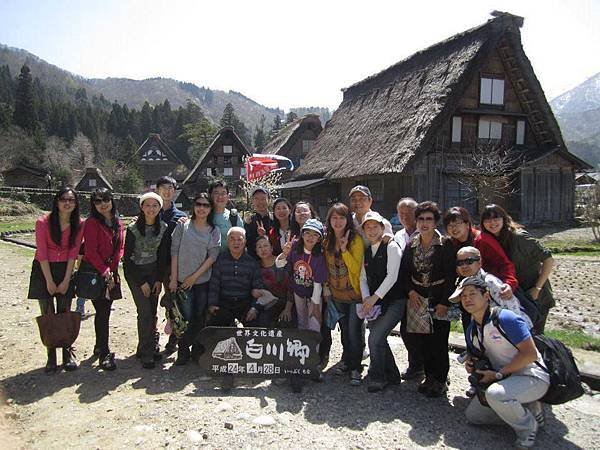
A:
(412, 374)
(51, 366)
(157, 356)
(436, 389)
(425, 386)
(183, 356)
(171, 346)
(376, 386)
(69, 361)
(148, 365)
(108, 362)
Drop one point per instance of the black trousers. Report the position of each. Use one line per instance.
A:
(101, 325)
(229, 311)
(434, 350)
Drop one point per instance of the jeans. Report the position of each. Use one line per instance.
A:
(194, 310)
(304, 321)
(508, 399)
(383, 366)
(352, 339)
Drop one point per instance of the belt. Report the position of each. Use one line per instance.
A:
(426, 285)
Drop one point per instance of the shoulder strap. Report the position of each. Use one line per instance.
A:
(233, 217)
(496, 321)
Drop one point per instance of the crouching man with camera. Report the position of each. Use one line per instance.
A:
(509, 381)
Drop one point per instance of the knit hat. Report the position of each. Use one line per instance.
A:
(153, 195)
(313, 225)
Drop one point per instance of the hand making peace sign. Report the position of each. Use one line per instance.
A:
(288, 244)
(344, 241)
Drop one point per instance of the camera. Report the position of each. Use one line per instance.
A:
(481, 363)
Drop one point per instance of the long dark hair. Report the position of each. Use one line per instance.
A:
(294, 225)
(276, 224)
(104, 193)
(211, 215)
(316, 251)
(54, 219)
(341, 210)
(140, 223)
(509, 226)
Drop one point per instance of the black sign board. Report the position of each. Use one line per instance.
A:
(259, 352)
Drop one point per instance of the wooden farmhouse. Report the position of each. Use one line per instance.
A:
(156, 159)
(93, 179)
(589, 178)
(223, 158)
(295, 140)
(25, 176)
(407, 130)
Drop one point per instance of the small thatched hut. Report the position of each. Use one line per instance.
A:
(93, 178)
(296, 139)
(223, 158)
(156, 159)
(404, 131)
(25, 176)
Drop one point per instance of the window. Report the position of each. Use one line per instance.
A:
(520, 132)
(456, 128)
(228, 149)
(208, 172)
(228, 171)
(243, 172)
(489, 129)
(307, 146)
(92, 182)
(492, 91)
(227, 159)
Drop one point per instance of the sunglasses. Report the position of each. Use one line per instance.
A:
(97, 201)
(202, 205)
(67, 200)
(466, 261)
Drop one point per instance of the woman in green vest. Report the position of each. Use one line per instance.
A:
(145, 262)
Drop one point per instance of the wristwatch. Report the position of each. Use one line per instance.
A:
(499, 376)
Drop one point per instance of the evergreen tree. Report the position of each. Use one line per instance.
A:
(24, 115)
(199, 135)
(146, 120)
(291, 116)
(260, 138)
(228, 118)
(276, 124)
(5, 116)
(7, 88)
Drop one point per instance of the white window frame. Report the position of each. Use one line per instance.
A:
(228, 171)
(491, 91)
(307, 146)
(456, 128)
(209, 172)
(520, 138)
(228, 149)
(92, 182)
(242, 171)
(489, 129)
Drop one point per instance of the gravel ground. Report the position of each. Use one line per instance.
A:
(168, 407)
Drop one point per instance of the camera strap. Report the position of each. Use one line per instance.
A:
(475, 333)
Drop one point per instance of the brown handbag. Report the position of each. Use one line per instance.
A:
(59, 330)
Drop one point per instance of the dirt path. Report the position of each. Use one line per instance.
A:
(168, 407)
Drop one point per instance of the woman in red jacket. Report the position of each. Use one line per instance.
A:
(103, 236)
(57, 238)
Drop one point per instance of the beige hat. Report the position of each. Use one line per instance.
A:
(153, 195)
(373, 215)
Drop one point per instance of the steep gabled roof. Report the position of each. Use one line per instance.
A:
(221, 133)
(388, 118)
(287, 135)
(163, 147)
(94, 172)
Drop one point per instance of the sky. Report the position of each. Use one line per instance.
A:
(286, 53)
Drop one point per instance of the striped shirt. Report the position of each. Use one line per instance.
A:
(233, 278)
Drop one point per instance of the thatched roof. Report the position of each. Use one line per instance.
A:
(154, 138)
(225, 131)
(93, 172)
(388, 118)
(287, 136)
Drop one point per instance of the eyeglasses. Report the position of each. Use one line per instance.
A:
(202, 205)
(456, 223)
(67, 200)
(466, 261)
(425, 219)
(97, 201)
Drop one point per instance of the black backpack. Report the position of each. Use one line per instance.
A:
(565, 381)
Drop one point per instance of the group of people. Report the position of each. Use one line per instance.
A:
(286, 268)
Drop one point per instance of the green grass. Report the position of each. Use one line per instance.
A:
(574, 339)
(17, 224)
(582, 247)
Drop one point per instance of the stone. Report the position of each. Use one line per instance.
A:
(228, 425)
(265, 421)
(193, 435)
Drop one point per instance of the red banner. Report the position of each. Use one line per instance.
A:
(257, 166)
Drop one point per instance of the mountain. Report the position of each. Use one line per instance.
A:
(135, 92)
(578, 114)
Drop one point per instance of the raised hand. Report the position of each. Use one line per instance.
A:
(260, 228)
(287, 248)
